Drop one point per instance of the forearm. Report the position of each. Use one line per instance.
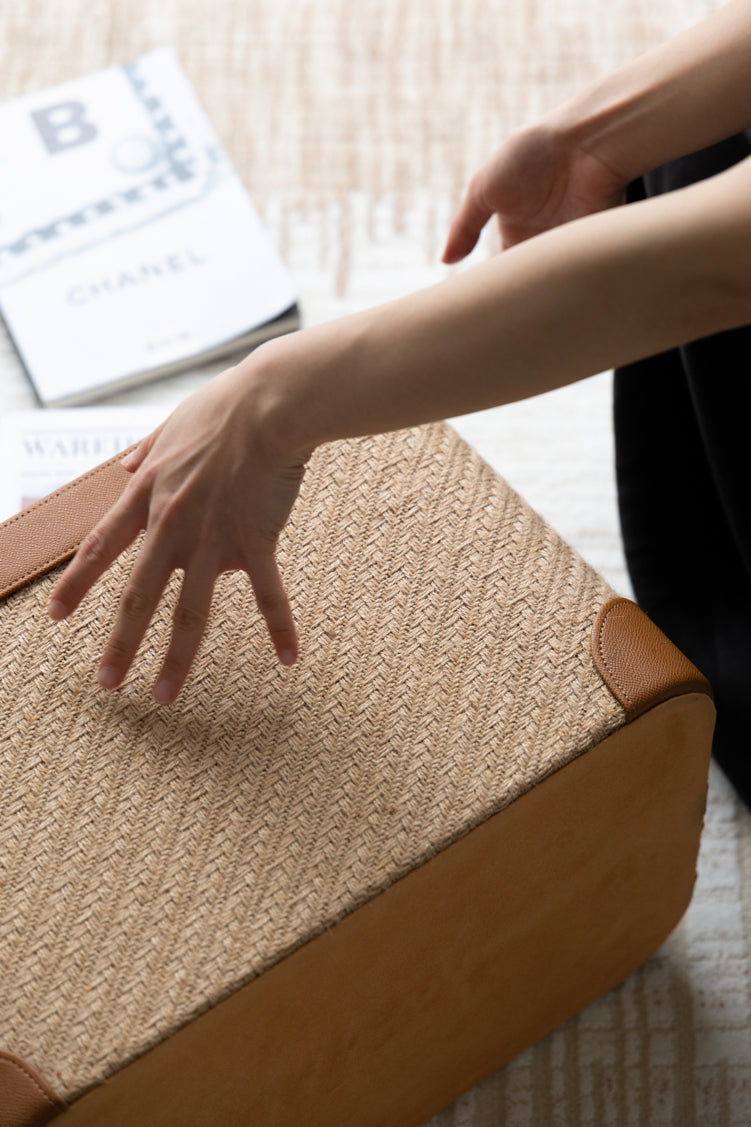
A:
(691, 92)
(214, 485)
(589, 295)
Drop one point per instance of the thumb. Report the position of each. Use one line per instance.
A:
(466, 227)
(135, 457)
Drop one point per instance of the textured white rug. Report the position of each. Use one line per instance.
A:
(356, 126)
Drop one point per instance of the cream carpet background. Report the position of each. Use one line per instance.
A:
(356, 124)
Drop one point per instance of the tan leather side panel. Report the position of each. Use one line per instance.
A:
(638, 663)
(26, 1100)
(457, 967)
(50, 530)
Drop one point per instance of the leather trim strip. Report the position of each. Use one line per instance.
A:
(26, 1099)
(48, 532)
(638, 663)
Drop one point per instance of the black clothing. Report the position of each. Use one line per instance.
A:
(682, 421)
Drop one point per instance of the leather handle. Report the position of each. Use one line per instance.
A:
(48, 532)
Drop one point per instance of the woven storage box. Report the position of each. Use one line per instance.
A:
(340, 893)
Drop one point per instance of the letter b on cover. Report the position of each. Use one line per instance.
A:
(64, 126)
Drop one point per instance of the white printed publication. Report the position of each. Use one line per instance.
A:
(40, 451)
(129, 247)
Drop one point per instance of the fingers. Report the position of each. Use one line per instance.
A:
(465, 228)
(167, 546)
(150, 575)
(188, 627)
(96, 552)
(274, 606)
(192, 613)
(189, 621)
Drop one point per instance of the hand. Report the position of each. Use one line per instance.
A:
(213, 493)
(537, 180)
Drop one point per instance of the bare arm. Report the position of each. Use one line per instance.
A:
(600, 286)
(678, 98)
(215, 484)
(601, 291)
(673, 100)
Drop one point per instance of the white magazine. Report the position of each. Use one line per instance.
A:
(42, 450)
(129, 247)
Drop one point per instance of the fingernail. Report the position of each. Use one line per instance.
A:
(108, 677)
(163, 691)
(57, 610)
(128, 459)
(287, 657)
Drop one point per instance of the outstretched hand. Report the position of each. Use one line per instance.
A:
(212, 494)
(537, 180)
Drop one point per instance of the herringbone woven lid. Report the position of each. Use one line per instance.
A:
(153, 860)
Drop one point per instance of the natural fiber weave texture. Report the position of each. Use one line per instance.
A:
(154, 859)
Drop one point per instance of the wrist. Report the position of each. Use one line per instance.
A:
(265, 406)
(300, 390)
(690, 92)
(605, 122)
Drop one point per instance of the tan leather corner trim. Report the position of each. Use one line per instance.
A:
(50, 530)
(26, 1099)
(638, 663)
